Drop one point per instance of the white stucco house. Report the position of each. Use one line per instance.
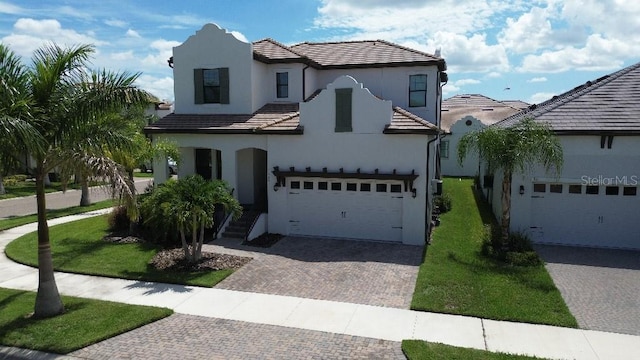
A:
(465, 113)
(324, 139)
(595, 201)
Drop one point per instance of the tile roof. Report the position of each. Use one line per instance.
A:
(485, 109)
(271, 118)
(348, 54)
(609, 104)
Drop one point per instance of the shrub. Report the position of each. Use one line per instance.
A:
(518, 250)
(118, 219)
(10, 181)
(443, 202)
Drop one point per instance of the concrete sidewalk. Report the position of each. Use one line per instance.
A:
(329, 316)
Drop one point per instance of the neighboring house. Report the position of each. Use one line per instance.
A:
(465, 113)
(330, 139)
(595, 201)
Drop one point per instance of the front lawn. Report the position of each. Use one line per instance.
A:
(422, 350)
(85, 322)
(78, 247)
(22, 188)
(456, 278)
(14, 221)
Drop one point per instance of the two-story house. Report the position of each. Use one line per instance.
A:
(325, 139)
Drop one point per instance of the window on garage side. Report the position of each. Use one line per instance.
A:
(322, 185)
(381, 187)
(612, 190)
(308, 185)
(539, 188)
(555, 188)
(396, 188)
(336, 186)
(592, 190)
(343, 110)
(575, 189)
(444, 149)
(418, 90)
(295, 184)
(365, 187)
(352, 187)
(629, 191)
(211, 86)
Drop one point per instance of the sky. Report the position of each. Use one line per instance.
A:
(506, 50)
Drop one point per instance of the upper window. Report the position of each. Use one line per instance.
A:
(211, 86)
(418, 90)
(444, 149)
(343, 110)
(282, 85)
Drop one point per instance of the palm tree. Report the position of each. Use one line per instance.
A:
(513, 149)
(189, 205)
(68, 107)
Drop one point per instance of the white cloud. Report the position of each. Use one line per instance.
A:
(6, 8)
(463, 82)
(162, 51)
(469, 54)
(450, 88)
(161, 87)
(537, 79)
(116, 23)
(123, 56)
(598, 54)
(132, 33)
(493, 75)
(29, 34)
(527, 34)
(540, 97)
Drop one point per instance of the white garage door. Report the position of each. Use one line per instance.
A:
(357, 209)
(576, 214)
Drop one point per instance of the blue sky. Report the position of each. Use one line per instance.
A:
(525, 50)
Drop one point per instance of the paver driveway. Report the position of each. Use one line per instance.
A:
(600, 286)
(358, 272)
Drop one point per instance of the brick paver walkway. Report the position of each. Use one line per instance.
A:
(357, 272)
(194, 337)
(600, 286)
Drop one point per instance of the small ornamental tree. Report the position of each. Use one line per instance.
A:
(513, 149)
(188, 204)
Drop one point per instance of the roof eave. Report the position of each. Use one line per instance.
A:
(410, 131)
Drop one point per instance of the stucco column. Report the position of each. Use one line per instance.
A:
(187, 164)
(229, 172)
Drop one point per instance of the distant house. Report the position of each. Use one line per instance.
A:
(321, 139)
(465, 113)
(595, 201)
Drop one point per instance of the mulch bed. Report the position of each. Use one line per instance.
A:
(174, 260)
(264, 241)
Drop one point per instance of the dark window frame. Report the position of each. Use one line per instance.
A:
(344, 113)
(556, 188)
(539, 188)
(444, 149)
(629, 191)
(282, 85)
(592, 190)
(572, 189)
(210, 88)
(418, 85)
(307, 185)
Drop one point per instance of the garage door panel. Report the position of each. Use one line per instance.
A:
(346, 214)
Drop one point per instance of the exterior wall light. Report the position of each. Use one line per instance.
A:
(276, 186)
(414, 193)
(521, 189)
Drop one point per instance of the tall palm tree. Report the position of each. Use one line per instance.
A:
(513, 149)
(68, 105)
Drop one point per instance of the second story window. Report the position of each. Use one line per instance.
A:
(444, 149)
(211, 86)
(418, 90)
(282, 85)
(343, 110)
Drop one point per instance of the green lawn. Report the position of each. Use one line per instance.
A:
(28, 188)
(456, 278)
(422, 350)
(78, 248)
(85, 322)
(52, 214)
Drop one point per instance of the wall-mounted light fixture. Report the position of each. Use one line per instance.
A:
(276, 186)
(521, 189)
(414, 193)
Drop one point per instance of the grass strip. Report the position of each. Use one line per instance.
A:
(52, 214)
(85, 322)
(456, 278)
(422, 350)
(78, 248)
